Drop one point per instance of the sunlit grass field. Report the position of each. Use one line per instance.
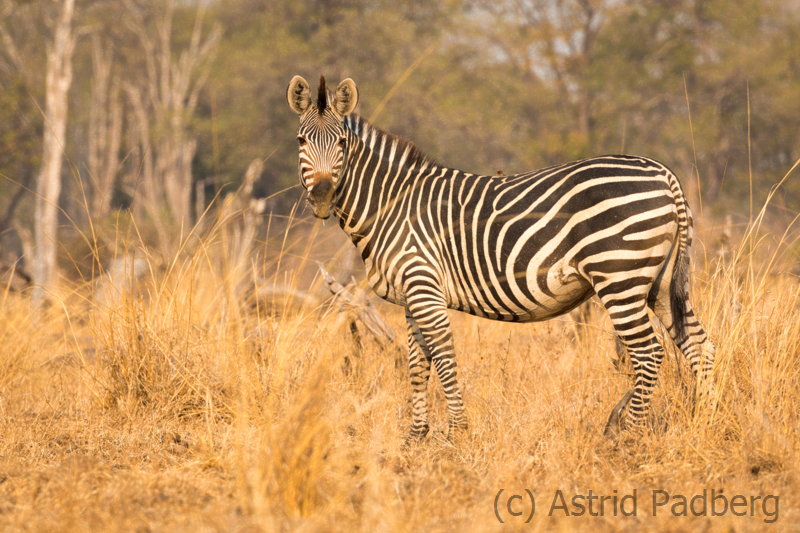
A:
(182, 403)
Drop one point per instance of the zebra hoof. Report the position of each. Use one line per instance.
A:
(415, 436)
(614, 424)
(454, 436)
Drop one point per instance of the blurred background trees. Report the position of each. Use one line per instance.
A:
(171, 102)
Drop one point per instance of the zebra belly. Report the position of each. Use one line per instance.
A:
(567, 289)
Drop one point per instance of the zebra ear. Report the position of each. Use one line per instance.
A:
(299, 95)
(346, 97)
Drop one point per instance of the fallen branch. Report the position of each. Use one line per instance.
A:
(351, 303)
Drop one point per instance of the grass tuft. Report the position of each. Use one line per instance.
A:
(179, 402)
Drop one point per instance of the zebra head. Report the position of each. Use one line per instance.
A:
(322, 137)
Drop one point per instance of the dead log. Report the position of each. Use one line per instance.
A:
(272, 300)
(351, 305)
(352, 302)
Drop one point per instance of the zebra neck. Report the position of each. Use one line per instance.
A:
(380, 167)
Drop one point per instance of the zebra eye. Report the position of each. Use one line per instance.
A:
(301, 140)
(342, 141)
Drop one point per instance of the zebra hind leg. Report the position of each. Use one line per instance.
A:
(633, 327)
(694, 344)
(700, 352)
(614, 424)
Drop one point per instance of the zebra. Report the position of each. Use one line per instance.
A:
(522, 248)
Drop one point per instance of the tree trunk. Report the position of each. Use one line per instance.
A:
(105, 127)
(57, 82)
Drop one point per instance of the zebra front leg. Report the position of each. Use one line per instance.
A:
(429, 313)
(419, 370)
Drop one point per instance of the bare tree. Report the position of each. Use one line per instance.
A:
(105, 125)
(552, 40)
(161, 105)
(58, 78)
(16, 50)
(240, 217)
(247, 211)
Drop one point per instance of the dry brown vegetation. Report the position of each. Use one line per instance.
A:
(178, 407)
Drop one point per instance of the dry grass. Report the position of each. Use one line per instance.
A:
(177, 408)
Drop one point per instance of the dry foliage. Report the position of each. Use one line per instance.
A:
(179, 407)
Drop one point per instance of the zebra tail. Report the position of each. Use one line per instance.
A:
(679, 285)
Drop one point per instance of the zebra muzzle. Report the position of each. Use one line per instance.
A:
(320, 197)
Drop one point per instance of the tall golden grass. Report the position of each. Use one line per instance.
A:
(177, 405)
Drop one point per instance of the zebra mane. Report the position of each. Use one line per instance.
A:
(322, 95)
(363, 129)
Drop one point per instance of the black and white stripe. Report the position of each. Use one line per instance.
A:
(524, 247)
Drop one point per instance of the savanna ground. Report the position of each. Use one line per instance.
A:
(176, 406)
